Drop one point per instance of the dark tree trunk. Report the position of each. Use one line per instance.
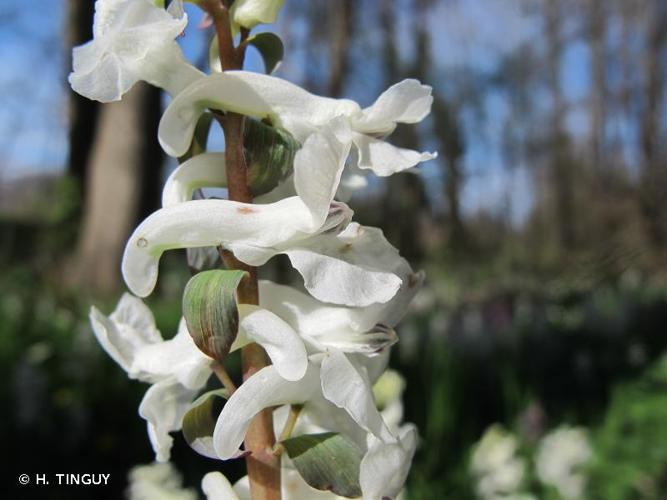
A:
(561, 162)
(82, 112)
(654, 175)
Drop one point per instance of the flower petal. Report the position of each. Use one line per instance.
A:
(282, 344)
(133, 40)
(264, 389)
(220, 91)
(405, 102)
(201, 223)
(216, 487)
(346, 387)
(177, 359)
(324, 326)
(286, 105)
(104, 78)
(385, 466)
(355, 267)
(129, 329)
(383, 158)
(163, 407)
(203, 170)
(318, 166)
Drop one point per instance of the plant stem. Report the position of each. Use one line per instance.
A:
(293, 416)
(224, 377)
(263, 466)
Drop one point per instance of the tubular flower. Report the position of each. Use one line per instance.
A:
(132, 40)
(336, 395)
(295, 110)
(175, 368)
(355, 266)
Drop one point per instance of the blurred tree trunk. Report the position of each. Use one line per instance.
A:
(448, 131)
(340, 34)
(654, 174)
(597, 20)
(561, 165)
(82, 112)
(405, 200)
(122, 186)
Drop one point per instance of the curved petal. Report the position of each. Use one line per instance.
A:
(335, 280)
(128, 330)
(326, 326)
(136, 316)
(264, 389)
(201, 223)
(318, 166)
(167, 69)
(261, 96)
(405, 102)
(282, 344)
(385, 466)
(218, 91)
(133, 40)
(104, 79)
(204, 170)
(346, 387)
(216, 487)
(163, 407)
(356, 267)
(383, 158)
(177, 359)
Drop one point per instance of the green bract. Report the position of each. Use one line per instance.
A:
(327, 461)
(210, 310)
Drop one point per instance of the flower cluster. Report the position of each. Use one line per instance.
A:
(559, 462)
(327, 347)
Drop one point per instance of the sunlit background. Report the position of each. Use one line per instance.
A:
(534, 356)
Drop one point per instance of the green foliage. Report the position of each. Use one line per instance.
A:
(631, 441)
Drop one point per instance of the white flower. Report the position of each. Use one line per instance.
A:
(364, 330)
(292, 487)
(250, 13)
(157, 480)
(337, 396)
(176, 369)
(560, 457)
(300, 113)
(132, 40)
(497, 468)
(356, 266)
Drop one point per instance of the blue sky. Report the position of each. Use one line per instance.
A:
(33, 112)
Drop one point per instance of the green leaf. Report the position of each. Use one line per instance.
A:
(198, 423)
(270, 154)
(327, 461)
(200, 137)
(210, 310)
(270, 47)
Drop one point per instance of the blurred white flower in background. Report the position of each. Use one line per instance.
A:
(157, 480)
(388, 391)
(560, 458)
(498, 469)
